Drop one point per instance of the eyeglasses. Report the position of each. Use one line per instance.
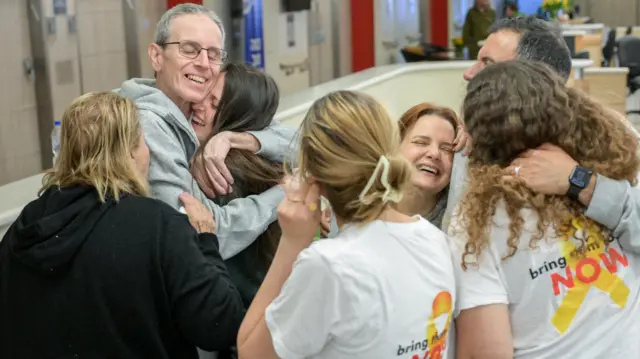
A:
(191, 50)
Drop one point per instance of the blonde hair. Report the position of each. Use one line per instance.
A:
(344, 138)
(99, 131)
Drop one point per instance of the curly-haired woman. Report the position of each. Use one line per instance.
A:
(537, 278)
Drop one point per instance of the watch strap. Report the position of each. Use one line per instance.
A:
(574, 191)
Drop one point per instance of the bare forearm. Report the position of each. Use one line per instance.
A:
(586, 194)
(254, 336)
(244, 141)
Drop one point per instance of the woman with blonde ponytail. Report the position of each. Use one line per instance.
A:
(383, 287)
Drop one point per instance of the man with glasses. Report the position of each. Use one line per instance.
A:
(186, 57)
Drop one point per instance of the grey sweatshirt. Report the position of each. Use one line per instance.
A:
(172, 144)
(615, 204)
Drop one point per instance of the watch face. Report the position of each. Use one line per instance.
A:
(580, 176)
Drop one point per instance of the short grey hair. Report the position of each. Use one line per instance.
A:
(539, 41)
(163, 29)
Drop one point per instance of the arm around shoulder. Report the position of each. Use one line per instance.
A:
(238, 223)
(276, 141)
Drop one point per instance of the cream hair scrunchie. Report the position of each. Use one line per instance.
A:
(390, 194)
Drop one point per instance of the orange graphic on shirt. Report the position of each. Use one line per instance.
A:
(594, 268)
(442, 305)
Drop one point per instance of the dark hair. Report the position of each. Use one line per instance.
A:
(512, 6)
(248, 102)
(519, 105)
(539, 41)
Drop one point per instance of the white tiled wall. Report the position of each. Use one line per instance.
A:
(148, 14)
(103, 58)
(276, 52)
(97, 57)
(19, 140)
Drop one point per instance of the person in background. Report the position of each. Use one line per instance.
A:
(537, 278)
(94, 268)
(244, 99)
(549, 170)
(511, 10)
(476, 25)
(186, 56)
(427, 133)
(361, 294)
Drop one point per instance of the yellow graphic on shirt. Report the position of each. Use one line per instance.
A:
(442, 305)
(592, 267)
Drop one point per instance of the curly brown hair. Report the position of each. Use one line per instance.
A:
(514, 106)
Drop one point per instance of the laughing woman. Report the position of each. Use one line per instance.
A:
(427, 132)
(384, 286)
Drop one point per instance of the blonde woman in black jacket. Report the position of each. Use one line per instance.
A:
(94, 268)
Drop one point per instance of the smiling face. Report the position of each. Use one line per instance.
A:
(182, 78)
(428, 145)
(204, 111)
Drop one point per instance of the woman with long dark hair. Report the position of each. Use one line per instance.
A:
(245, 99)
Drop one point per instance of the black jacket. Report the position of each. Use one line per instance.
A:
(132, 279)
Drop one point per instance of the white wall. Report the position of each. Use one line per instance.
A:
(279, 56)
(396, 87)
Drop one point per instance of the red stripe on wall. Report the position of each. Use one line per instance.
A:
(439, 16)
(362, 35)
(172, 3)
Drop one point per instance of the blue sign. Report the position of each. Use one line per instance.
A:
(253, 35)
(59, 7)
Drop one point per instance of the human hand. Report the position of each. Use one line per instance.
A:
(199, 216)
(213, 176)
(463, 141)
(299, 212)
(545, 170)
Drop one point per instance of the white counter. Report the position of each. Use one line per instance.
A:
(14, 196)
(590, 28)
(579, 66)
(573, 33)
(397, 87)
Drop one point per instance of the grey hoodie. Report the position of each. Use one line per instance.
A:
(614, 204)
(172, 144)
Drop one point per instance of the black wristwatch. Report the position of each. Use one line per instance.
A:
(578, 180)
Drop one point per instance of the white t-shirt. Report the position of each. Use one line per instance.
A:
(382, 290)
(562, 304)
